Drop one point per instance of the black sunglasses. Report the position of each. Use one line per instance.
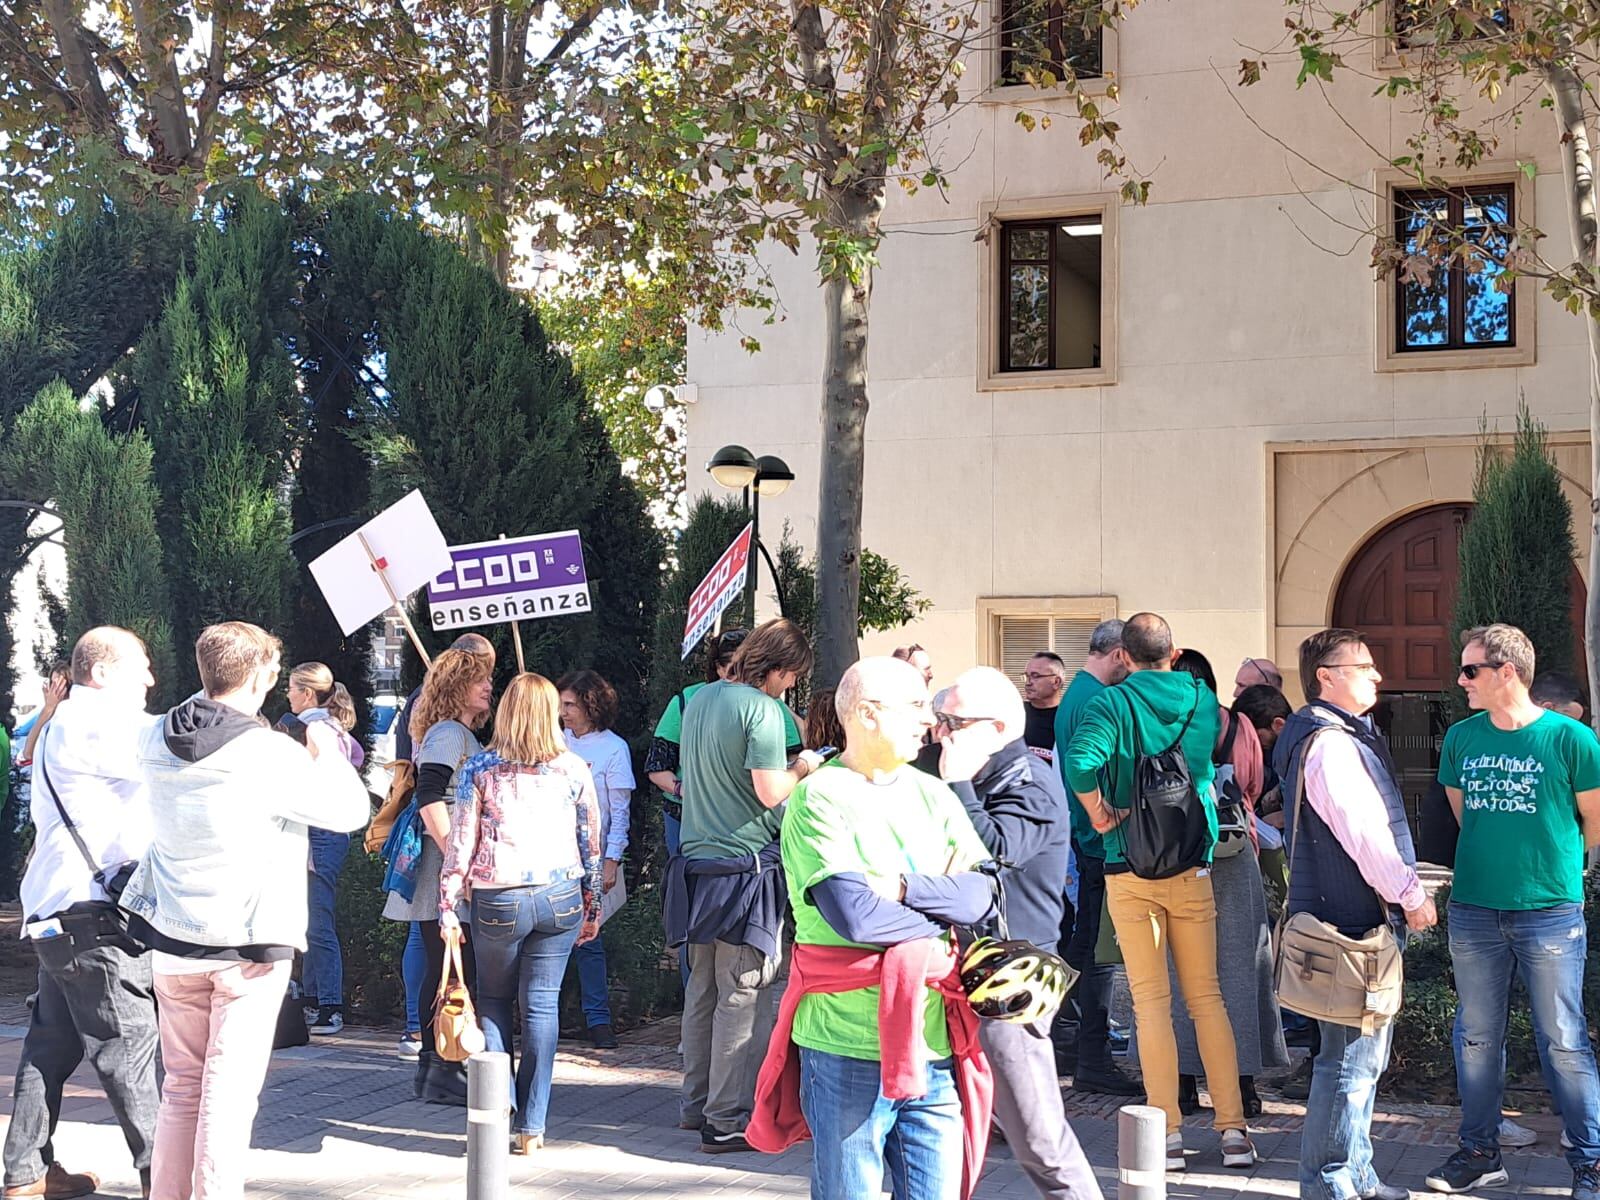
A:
(1470, 670)
(953, 722)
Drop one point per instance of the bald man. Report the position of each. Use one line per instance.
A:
(1019, 807)
(96, 1001)
(1256, 670)
(877, 853)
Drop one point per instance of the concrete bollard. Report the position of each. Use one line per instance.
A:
(1141, 1153)
(489, 1126)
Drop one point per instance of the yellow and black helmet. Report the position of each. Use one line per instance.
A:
(1014, 981)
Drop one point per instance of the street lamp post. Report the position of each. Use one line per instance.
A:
(734, 467)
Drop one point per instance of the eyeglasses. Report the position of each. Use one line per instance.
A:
(1256, 667)
(954, 723)
(1365, 668)
(1470, 670)
(1037, 675)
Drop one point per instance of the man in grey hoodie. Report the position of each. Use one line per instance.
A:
(221, 898)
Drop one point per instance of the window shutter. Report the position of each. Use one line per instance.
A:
(1023, 637)
(1071, 641)
(1020, 639)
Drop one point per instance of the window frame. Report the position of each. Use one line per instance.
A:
(993, 87)
(1389, 356)
(1455, 278)
(1389, 51)
(994, 218)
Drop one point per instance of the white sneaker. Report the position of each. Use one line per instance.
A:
(410, 1048)
(1566, 1142)
(1236, 1149)
(1175, 1152)
(1387, 1191)
(1514, 1136)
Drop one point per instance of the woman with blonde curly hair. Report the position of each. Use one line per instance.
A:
(454, 704)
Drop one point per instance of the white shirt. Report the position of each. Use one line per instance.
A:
(611, 764)
(90, 753)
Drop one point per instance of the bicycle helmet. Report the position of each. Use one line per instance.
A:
(1014, 980)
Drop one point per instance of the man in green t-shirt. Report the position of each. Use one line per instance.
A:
(1095, 1070)
(735, 777)
(878, 853)
(1525, 784)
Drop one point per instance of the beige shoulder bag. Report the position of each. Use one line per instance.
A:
(1322, 974)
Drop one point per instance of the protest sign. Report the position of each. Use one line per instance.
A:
(382, 563)
(717, 590)
(513, 579)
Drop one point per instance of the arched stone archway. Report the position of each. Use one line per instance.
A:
(1328, 500)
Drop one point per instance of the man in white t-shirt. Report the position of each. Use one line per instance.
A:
(95, 1000)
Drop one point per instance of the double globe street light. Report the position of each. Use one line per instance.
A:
(735, 468)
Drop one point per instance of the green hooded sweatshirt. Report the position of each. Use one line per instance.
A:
(1159, 701)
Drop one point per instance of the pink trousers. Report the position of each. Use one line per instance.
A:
(216, 1042)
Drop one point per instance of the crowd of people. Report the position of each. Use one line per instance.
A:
(870, 854)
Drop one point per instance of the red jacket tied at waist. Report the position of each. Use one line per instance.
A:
(902, 972)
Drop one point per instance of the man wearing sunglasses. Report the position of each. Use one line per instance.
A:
(1525, 784)
(1019, 808)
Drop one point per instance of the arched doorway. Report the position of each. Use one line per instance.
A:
(1399, 590)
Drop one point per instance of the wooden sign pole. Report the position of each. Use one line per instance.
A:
(516, 637)
(378, 565)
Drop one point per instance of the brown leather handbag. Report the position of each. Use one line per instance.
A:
(456, 1034)
(402, 782)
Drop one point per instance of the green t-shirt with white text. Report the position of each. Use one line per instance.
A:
(1521, 843)
(839, 823)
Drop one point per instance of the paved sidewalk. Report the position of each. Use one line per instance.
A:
(337, 1120)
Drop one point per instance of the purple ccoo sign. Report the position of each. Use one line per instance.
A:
(514, 579)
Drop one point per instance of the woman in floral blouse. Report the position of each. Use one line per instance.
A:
(525, 843)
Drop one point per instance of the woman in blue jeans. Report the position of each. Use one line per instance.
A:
(322, 717)
(525, 839)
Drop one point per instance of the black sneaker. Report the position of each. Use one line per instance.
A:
(1109, 1082)
(601, 1037)
(1466, 1170)
(714, 1141)
(329, 1020)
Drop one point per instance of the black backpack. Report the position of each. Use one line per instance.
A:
(1166, 832)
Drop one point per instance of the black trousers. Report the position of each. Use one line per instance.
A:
(433, 951)
(1093, 993)
(97, 1003)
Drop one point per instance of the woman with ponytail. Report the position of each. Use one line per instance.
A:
(325, 713)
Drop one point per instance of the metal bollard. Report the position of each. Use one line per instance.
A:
(489, 1126)
(1141, 1153)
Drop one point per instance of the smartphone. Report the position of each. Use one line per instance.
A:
(827, 752)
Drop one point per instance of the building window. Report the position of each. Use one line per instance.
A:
(1039, 37)
(1457, 308)
(1050, 294)
(1011, 631)
(1415, 25)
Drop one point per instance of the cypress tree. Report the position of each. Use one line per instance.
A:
(1517, 547)
(71, 304)
(102, 485)
(481, 412)
(218, 397)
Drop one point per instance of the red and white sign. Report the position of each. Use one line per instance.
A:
(717, 590)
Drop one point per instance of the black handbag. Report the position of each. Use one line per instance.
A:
(1166, 832)
(94, 922)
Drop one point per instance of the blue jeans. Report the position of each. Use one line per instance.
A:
(413, 966)
(856, 1133)
(591, 962)
(523, 937)
(1336, 1145)
(1547, 947)
(672, 830)
(323, 973)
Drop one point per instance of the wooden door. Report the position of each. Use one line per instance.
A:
(1399, 592)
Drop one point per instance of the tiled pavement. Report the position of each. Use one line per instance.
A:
(337, 1120)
